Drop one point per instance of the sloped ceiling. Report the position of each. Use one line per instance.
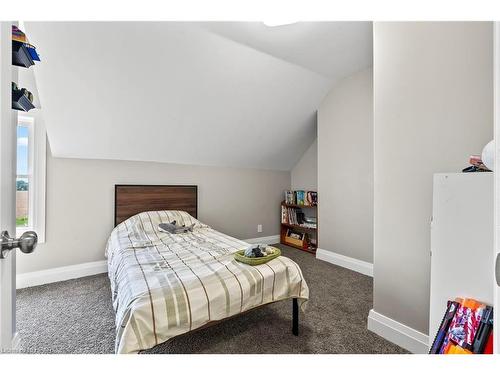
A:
(332, 49)
(192, 93)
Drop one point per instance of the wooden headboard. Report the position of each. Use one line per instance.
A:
(133, 199)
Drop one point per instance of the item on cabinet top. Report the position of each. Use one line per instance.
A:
(476, 165)
(488, 155)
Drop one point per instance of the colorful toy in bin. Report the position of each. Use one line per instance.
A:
(466, 328)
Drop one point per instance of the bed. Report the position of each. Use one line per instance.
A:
(164, 285)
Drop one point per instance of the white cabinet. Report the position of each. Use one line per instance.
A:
(461, 241)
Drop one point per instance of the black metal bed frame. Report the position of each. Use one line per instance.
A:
(295, 318)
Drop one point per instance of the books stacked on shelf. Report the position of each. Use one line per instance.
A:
(301, 197)
(289, 215)
(466, 328)
(295, 216)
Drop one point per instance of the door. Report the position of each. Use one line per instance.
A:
(496, 250)
(7, 192)
(9, 340)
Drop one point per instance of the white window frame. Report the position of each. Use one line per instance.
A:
(37, 160)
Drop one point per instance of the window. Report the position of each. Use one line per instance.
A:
(24, 218)
(30, 177)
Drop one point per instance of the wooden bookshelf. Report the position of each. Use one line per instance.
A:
(308, 231)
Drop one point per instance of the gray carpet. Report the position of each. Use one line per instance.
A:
(76, 316)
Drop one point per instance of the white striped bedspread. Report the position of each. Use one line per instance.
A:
(164, 285)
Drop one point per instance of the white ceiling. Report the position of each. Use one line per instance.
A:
(332, 49)
(227, 94)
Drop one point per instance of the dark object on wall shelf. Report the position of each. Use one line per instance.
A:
(20, 55)
(20, 101)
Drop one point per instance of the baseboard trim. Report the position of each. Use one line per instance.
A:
(52, 275)
(16, 343)
(398, 333)
(347, 262)
(267, 240)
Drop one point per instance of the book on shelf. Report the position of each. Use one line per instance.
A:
(301, 198)
(312, 198)
(289, 197)
(284, 216)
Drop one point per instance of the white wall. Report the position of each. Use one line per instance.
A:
(433, 107)
(304, 174)
(80, 198)
(345, 168)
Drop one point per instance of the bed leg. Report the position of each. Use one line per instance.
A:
(295, 319)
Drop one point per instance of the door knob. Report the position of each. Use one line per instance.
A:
(26, 243)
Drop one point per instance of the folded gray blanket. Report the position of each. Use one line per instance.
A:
(174, 228)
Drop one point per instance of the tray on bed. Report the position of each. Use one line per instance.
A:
(240, 257)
